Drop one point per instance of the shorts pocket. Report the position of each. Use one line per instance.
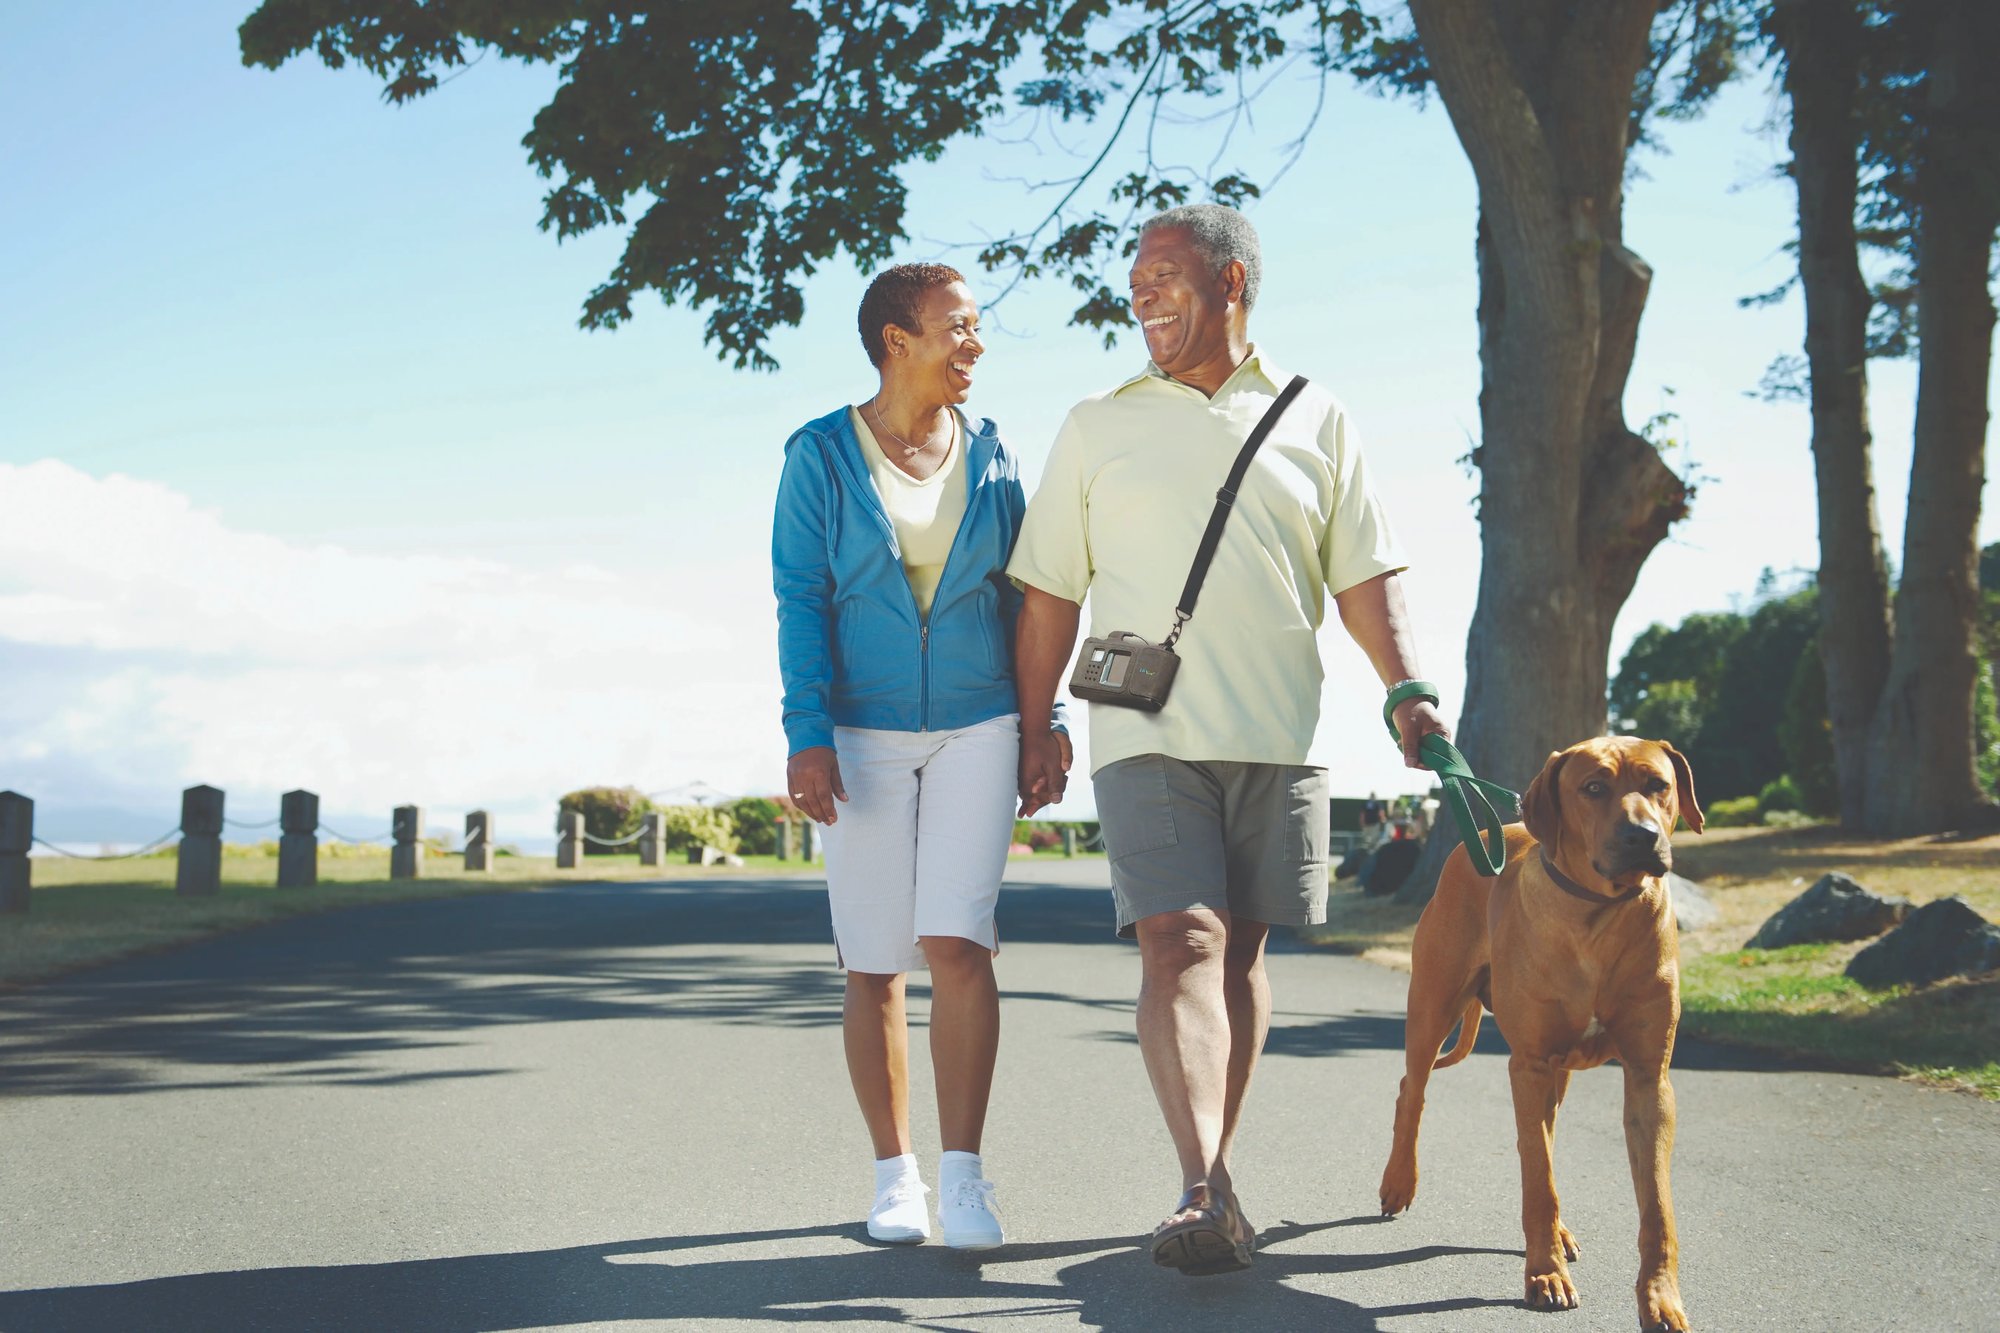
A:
(1135, 808)
(1307, 817)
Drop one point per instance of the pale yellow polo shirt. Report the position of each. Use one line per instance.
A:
(926, 514)
(1128, 489)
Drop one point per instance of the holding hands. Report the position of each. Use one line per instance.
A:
(1045, 761)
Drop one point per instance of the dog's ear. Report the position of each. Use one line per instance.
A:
(1684, 798)
(1541, 803)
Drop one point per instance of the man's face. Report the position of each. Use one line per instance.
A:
(1182, 308)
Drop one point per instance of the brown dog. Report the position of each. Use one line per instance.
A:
(1573, 948)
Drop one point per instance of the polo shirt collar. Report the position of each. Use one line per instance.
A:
(1256, 363)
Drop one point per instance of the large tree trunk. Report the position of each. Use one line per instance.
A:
(1571, 500)
(1921, 777)
(1822, 74)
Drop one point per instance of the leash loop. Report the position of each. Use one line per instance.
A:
(1469, 797)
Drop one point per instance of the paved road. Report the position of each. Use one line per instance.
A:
(623, 1106)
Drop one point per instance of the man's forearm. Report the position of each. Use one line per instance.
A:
(1376, 619)
(1044, 635)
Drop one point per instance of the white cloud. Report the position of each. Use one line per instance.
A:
(195, 651)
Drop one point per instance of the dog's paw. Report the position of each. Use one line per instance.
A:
(1571, 1250)
(1399, 1189)
(1660, 1308)
(1551, 1291)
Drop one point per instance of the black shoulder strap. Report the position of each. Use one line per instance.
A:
(1225, 500)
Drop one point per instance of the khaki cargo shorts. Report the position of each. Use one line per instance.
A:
(1247, 839)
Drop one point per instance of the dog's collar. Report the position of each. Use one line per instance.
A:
(1576, 890)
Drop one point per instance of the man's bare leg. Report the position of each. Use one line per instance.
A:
(1184, 1033)
(1247, 993)
(878, 1058)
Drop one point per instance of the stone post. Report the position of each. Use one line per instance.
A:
(199, 874)
(1069, 839)
(569, 839)
(406, 858)
(653, 840)
(298, 845)
(810, 850)
(478, 841)
(17, 835)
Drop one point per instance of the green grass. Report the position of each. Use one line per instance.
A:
(1797, 1001)
(1794, 1002)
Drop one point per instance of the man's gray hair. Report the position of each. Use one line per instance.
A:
(1220, 234)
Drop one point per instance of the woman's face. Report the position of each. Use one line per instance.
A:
(936, 359)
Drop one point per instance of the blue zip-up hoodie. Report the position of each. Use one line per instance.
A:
(852, 648)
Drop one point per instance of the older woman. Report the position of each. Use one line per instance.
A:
(895, 519)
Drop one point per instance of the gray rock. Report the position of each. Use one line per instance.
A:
(1692, 908)
(1836, 908)
(1941, 939)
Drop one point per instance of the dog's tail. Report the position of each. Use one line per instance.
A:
(1468, 1032)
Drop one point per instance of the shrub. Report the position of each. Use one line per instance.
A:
(1733, 812)
(691, 826)
(1780, 794)
(608, 812)
(756, 824)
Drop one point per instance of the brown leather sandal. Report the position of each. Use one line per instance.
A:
(1214, 1238)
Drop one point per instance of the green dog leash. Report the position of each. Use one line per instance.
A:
(1461, 788)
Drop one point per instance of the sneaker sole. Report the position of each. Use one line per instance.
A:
(975, 1242)
(897, 1235)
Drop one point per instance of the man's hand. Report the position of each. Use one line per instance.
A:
(1045, 760)
(1416, 719)
(813, 778)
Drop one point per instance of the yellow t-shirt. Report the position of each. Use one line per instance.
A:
(926, 513)
(1129, 486)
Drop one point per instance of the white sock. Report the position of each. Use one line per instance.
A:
(959, 1166)
(889, 1170)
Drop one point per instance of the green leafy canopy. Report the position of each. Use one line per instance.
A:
(741, 144)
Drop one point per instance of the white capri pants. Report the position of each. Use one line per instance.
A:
(921, 842)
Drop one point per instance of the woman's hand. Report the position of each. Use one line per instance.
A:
(1045, 761)
(813, 778)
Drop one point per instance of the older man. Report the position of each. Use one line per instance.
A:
(1215, 824)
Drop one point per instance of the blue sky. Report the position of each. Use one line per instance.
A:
(307, 477)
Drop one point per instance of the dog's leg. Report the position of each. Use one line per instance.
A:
(1572, 1251)
(1447, 960)
(1537, 1088)
(1431, 1015)
(1649, 1143)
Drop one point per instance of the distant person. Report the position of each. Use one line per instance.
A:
(1374, 819)
(1215, 824)
(895, 519)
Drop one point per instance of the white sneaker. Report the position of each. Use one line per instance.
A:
(967, 1214)
(900, 1215)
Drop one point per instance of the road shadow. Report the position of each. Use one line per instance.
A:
(324, 998)
(1108, 1284)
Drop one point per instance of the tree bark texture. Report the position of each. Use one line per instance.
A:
(1821, 40)
(1921, 776)
(1571, 500)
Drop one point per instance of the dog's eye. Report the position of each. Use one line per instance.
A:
(1595, 788)
(1656, 786)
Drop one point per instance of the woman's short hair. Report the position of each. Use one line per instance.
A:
(896, 297)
